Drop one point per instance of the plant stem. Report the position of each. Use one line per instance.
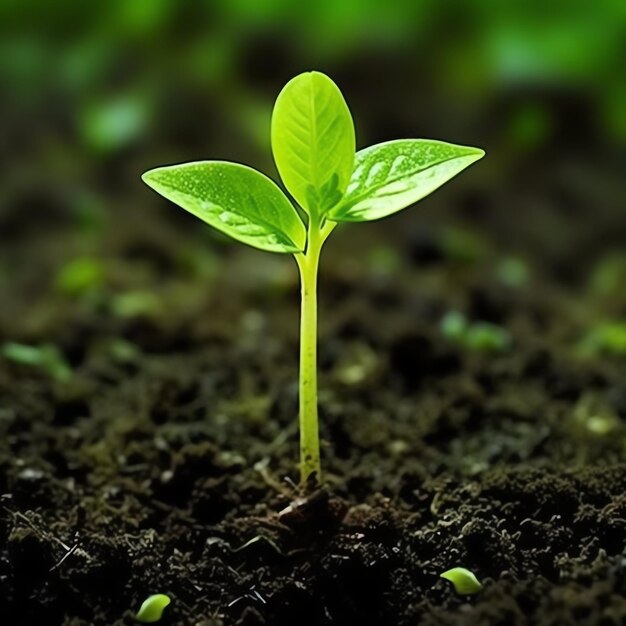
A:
(310, 469)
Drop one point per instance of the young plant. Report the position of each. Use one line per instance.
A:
(313, 144)
(465, 582)
(46, 357)
(151, 609)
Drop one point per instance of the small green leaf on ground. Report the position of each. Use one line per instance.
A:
(608, 337)
(454, 326)
(236, 200)
(152, 608)
(475, 336)
(487, 337)
(46, 357)
(80, 275)
(465, 582)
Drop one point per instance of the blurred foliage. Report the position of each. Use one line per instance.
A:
(474, 336)
(607, 338)
(463, 244)
(117, 67)
(592, 415)
(80, 276)
(513, 271)
(609, 275)
(94, 94)
(46, 357)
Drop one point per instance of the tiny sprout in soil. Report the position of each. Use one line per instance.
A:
(465, 582)
(313, 143)
(151, 610)
(47, 358)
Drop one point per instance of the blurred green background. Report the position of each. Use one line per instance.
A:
(94, 94)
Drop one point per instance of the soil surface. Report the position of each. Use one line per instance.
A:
(164, 462)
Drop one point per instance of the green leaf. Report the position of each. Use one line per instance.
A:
(151, 610)
(236, 200)
(47, 357)
(313, 141)
(465, 582)
(391, 176)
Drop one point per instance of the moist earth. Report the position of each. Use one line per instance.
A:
(167, 461)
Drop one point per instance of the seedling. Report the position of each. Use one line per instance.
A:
(465, 582)
(46, 357)
(152, 608)
(313, 143)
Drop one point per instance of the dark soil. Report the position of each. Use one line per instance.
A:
(160, 466)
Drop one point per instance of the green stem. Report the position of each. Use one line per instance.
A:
(310, 468)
